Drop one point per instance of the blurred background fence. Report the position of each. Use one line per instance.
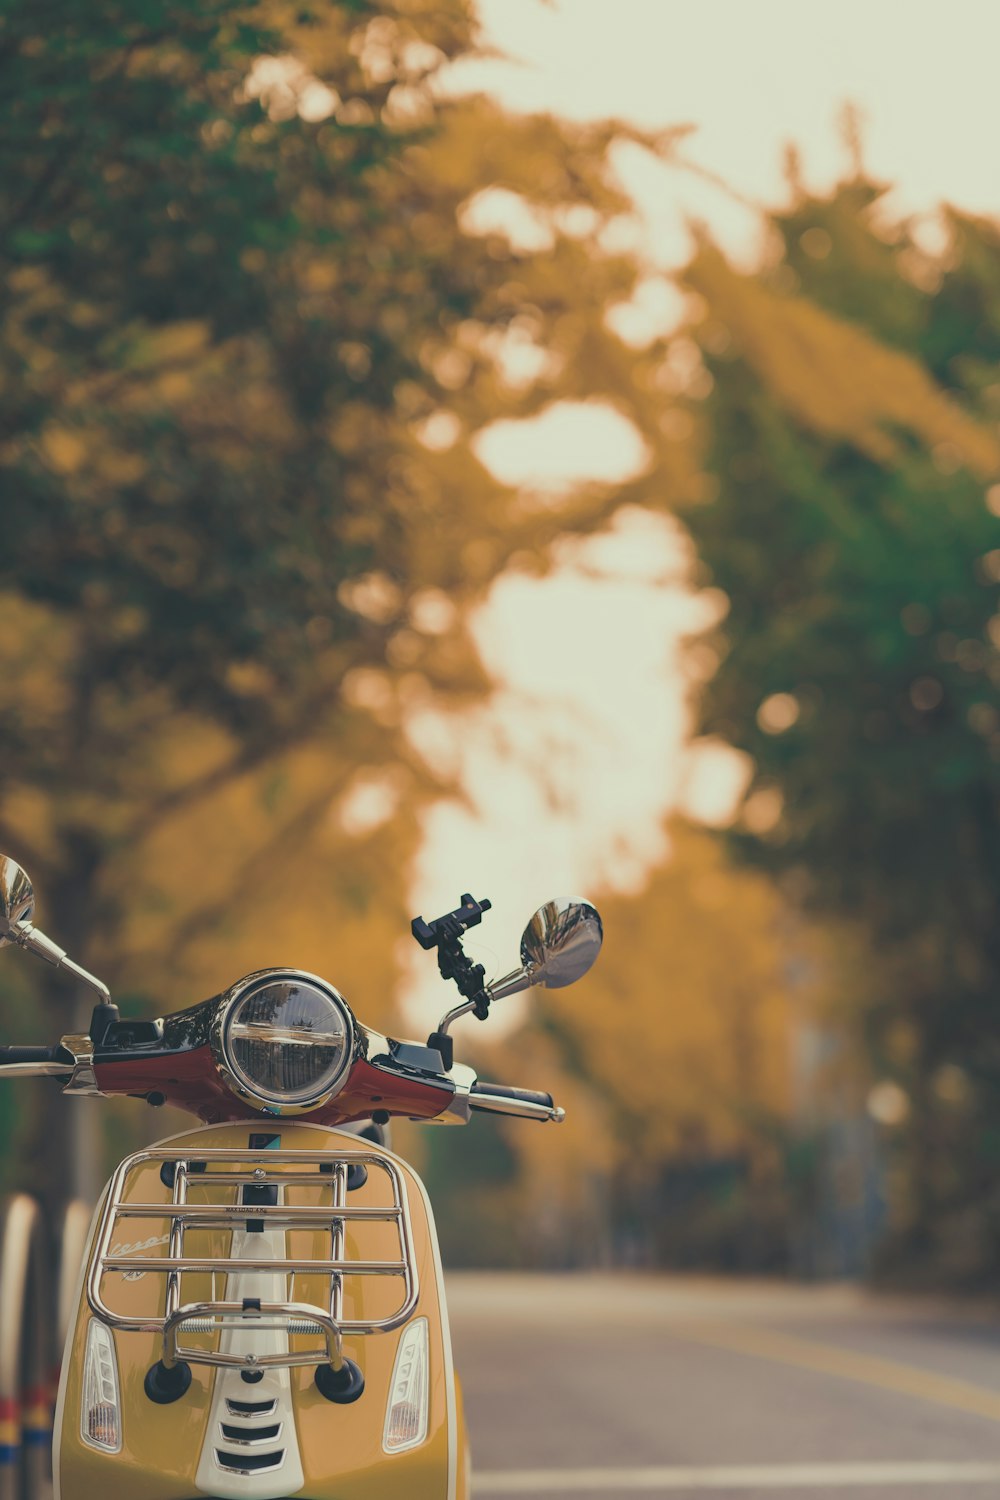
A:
(269, 285)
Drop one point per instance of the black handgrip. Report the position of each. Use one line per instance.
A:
(521, 1096)
(32, 1054)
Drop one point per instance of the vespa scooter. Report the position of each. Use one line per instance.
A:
(261, 1309)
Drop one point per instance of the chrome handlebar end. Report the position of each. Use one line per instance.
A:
(497, 1104)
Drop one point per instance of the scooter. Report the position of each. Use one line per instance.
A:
(261, 1309)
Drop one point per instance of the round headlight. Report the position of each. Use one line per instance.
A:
(286, 1040)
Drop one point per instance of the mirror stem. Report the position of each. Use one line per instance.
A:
(30, 938)
(513, 983)
(444, 1025)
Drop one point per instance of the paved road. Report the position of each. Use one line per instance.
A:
(593, 1387)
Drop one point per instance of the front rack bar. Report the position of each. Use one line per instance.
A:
(208, 1215)
(293, 1267)
(294, 1312)
(269, 1168)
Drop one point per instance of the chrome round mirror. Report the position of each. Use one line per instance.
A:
(17, 899)
(561, 942)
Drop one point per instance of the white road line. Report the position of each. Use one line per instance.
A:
(742, 1477)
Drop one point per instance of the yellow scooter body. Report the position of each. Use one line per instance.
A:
(341, 1446)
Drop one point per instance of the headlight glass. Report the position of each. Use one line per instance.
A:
(288, 1040)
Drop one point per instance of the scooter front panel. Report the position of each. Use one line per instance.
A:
(330, 1451)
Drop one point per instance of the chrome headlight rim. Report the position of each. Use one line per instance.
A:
(230, 1071)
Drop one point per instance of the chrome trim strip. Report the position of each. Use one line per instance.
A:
(83, 1079)
(272, 1434)
(456, 1111)
(264, 1410)
(234, 1468)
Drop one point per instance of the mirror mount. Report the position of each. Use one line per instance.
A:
(446, 934)
(17, 905)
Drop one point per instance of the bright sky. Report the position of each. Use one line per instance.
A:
(571, 771)
(754, 77)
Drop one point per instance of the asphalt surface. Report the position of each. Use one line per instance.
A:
(592, 1387)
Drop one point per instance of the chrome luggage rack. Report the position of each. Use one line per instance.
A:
(255, 1168)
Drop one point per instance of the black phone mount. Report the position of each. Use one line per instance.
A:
(446, 934)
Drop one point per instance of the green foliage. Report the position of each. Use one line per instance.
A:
(851, 432)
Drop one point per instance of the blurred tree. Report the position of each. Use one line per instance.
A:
(249, 333)
(851, 429)
(521, 1195)
(684, 1034)
(673, 1060)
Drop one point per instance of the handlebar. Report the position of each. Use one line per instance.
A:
(36, 1062)
(493, 1098)
(527, 1104)
(503, 1091)
(29, 1054)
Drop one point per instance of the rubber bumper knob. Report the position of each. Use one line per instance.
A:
(342, 1386)
(164, 1385)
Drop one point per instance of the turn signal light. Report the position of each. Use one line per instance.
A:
(406, 1413)
(100, 1409)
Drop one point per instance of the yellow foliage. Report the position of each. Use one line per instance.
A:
(148, 348)
(261, 872)
(684, 1027)
(63, 450)
(234, 514)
